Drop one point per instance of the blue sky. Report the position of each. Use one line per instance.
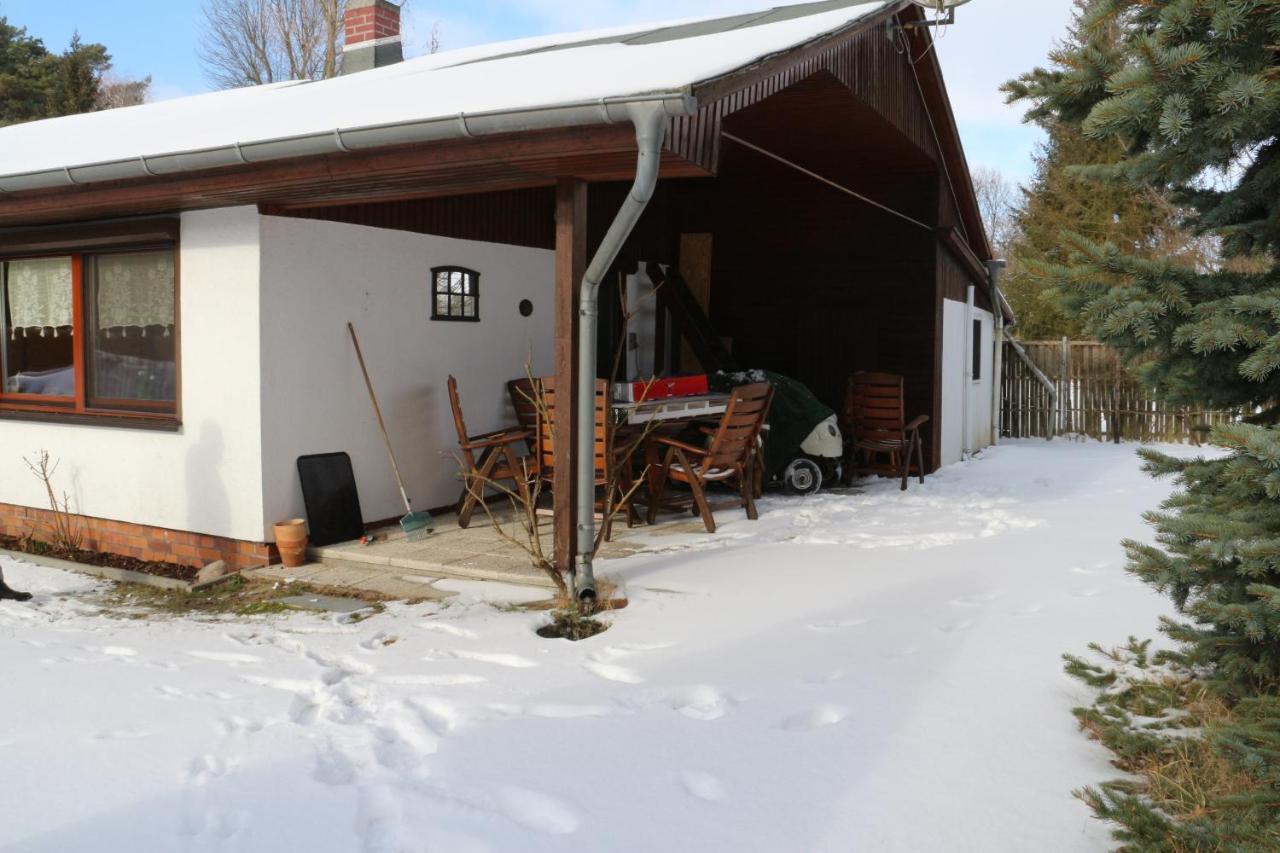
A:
(992, 41)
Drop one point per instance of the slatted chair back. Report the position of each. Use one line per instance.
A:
(738, 435)
(547, 425)
(874, 407)
(459, 424)
(524, 399)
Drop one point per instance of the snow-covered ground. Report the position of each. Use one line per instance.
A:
(862, 672)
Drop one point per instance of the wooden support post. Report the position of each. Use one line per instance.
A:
(571, 267)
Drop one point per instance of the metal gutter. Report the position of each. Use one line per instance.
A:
(651, 125)
(612, 110)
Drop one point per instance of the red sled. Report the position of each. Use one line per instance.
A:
(661, 389)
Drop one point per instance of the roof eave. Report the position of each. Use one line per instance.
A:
(603, 111)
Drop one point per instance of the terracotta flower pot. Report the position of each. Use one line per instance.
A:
(291, 541)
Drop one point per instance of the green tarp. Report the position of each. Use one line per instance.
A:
(796, 411)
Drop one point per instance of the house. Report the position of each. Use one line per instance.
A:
(177, 277)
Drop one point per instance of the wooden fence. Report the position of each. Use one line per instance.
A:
(1082, 388)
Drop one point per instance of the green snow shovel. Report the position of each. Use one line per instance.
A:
(416, 525)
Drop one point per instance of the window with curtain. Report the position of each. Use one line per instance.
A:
(91, 333)
(39, 327)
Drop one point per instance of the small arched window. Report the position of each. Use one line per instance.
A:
(455, 294)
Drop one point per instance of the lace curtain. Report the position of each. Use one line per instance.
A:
(39, 296)
(135, 291)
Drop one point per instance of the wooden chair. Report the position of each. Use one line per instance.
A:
(612, 462)
(524, 399)
(876, 428)
(731, 456)
(498, 460)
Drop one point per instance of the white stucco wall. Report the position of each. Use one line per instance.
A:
(206, 477)
(955, 354)
(317, 276)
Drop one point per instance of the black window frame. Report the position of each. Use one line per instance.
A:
(977, 349)
(473, 291)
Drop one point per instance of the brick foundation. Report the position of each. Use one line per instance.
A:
(140, 541)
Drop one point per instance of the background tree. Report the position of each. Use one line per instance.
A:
(115, 92)
(1060, 200)
(36, 84)
(1188, 94)
(252, 42)
(24, 75)
(998, 200)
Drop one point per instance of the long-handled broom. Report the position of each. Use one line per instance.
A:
(416, 525)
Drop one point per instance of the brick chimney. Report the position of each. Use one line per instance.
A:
(372, 35)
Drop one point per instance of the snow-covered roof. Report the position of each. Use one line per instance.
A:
(564, 80)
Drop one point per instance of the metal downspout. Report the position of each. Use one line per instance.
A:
(994, 268)
(650, 121)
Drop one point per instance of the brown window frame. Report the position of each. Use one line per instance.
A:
(77, 244)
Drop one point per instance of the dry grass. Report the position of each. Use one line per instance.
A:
(1192, 776)
(239, 596)
(1186, 776)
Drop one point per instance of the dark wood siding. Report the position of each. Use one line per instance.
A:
(865, 61)
(516, 217)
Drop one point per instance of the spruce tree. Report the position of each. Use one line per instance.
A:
(76, 86)
(1189, 90)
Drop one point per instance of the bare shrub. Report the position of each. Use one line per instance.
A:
(65, 533)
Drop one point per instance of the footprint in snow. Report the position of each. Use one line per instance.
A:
(815, 718)
(433, 680)
(841, 625)
(446, 628)
(289, 685)
(613, 672)
(233, 726)
(168, 691)
(1087, 593)
(232, 658)
(378, 641)
(955, 627)
(1081, 570)
(976, 600)
(701, 703)
(122, 734)
(704, 786)
(827, 678)
(537, 811)
(206, 768)
(1029, 610)
(569, 712)
(112, 651)
(441, 717)
(495, 658)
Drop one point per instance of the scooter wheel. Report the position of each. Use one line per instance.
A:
(802, 477)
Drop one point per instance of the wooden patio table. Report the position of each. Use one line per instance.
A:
(668, 417)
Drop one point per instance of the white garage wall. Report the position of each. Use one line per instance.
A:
(205, 478)
(955, 351)
(317, 276)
